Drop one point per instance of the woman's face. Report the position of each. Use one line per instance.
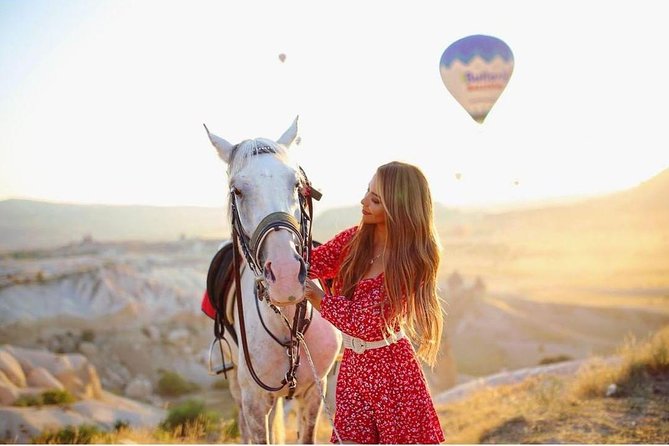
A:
(372, 210)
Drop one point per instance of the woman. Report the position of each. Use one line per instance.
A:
(384, 298)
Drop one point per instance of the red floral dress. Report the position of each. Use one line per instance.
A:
(382, 395)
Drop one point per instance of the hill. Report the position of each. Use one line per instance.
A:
(556, 282)
(624, 401)
(615, 246)
(26, 224)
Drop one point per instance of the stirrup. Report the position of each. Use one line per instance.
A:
(223, 367)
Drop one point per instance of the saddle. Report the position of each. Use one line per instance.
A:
(218, 299)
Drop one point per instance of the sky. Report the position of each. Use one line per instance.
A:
(104, 101)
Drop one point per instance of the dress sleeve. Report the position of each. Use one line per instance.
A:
(326, 258)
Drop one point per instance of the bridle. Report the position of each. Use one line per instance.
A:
(251, 247)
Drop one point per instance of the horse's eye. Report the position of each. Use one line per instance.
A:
(236, 191)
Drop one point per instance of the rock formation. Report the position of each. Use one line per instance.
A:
(25, 376)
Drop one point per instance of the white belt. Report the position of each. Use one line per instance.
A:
(359, 346)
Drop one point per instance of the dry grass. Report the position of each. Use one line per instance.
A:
(638, 359)
(198, 432)
(550, 409)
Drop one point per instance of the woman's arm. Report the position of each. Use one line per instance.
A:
(352, 318)
(325, 259)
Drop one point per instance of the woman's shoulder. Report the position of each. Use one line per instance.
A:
(341, 239)
(346, 235)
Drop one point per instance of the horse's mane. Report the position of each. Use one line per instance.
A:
(244, 151)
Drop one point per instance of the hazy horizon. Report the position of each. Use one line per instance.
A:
(492, 206)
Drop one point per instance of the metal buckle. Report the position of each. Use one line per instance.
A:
(358, 345)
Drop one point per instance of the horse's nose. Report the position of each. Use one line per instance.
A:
(301, 275)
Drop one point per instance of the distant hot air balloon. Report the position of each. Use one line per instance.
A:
(282, 57)
(458, 176)
(475, 70)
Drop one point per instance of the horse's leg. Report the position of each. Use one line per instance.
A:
(308, 411)
(235, 391)
(256, 407)
(277, 431)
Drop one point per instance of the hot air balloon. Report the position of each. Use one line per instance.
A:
(475, 70)
(282, 57)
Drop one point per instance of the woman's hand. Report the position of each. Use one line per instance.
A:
(313, 293)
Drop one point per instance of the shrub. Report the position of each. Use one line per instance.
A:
(83, 434)
(173, 384)
(58, 397)
(188, 416)
(29, 400)
(120, 425)
(88, 335)
(45, 398)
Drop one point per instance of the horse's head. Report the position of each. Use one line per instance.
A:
(264, 188)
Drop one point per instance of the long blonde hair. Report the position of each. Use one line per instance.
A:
(412, 258)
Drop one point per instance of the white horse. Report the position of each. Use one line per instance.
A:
(264, 180)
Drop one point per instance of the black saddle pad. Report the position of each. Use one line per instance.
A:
(220, 281)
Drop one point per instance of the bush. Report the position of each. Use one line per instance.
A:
(55, 396)
(173, 384)
(29, 400)
(188, 416)
(120, 425)
(58, 397)
(83, 434)
(88, 335)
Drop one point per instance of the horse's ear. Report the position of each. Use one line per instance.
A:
(289, 136)
(223, 147)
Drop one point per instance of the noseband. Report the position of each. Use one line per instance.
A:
(252, 246)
